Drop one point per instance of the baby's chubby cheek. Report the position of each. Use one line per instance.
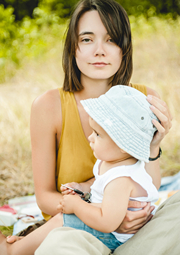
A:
(91, 145)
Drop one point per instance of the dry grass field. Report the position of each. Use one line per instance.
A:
(156, 64)
(16, 97)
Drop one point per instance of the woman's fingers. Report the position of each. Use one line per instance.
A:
(160, 105)
(164, 118)
(137, 204)
(137, 227)
(13, 239)
(160, 109)
(134, 220)
(67, 192)
(162, 131)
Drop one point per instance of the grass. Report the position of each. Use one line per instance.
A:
(156, 64)
(7, 231)
(16, 97)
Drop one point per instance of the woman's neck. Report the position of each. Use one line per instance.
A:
(92, 88)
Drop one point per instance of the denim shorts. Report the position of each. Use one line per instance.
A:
(71, 220)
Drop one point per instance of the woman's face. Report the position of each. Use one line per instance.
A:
(97, 56)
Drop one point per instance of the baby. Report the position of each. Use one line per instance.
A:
(121, 121)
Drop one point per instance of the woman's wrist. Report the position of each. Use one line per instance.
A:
(85, 186)
(158, 155)
(154, 151)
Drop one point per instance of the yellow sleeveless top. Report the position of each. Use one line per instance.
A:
(75, 159)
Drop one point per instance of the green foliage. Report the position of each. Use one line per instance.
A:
(7, 25)
(58, 7)
(22, 8)
(7, 35)
(167, 6)
(27, 39)
(7, 231)
(135, 7)
(149, 7)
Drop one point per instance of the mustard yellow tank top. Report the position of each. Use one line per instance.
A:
(75, 159)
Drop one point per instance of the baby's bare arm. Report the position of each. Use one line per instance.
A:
(110, 214)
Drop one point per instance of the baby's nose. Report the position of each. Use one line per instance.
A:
(90, 138)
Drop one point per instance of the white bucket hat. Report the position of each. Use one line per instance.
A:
(125, 114)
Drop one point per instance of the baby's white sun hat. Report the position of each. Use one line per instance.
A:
(125, 114)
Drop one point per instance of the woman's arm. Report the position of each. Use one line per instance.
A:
(160, 109)
(108, 217)
(133, 221)
(45, 125)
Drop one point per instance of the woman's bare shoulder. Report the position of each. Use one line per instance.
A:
(47, 100)
(47, 108)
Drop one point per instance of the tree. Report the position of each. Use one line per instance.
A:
(22, 8)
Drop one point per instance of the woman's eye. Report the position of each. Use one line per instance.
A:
(110, 40)
(86, 40)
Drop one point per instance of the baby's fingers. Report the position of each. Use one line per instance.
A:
(60, 208)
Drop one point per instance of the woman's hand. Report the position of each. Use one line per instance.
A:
(134, 220)
(13, 239)
(160, 109)
(74, 185)
(83, 186)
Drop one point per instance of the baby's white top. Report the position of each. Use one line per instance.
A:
(138, 174)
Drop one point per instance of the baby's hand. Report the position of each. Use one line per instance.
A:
(66, 191)
(68, 203)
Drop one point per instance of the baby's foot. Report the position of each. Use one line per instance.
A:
(4, 246)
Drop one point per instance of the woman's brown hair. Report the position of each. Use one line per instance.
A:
(116, 22)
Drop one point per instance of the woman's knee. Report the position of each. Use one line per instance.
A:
(57, 220)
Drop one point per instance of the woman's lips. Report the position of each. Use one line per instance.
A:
(99, 64)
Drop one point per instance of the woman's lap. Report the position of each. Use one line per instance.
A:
(159, 236)
(71, 220)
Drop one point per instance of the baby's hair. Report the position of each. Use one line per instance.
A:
(116, 22)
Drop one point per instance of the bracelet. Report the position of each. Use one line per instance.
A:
(158, 156)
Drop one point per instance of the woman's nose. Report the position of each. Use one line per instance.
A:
(99, 49)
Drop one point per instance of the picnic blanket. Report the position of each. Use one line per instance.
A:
(170, 182)
(28, 212)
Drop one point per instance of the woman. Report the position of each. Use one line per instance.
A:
(93, 62)
(97, 55)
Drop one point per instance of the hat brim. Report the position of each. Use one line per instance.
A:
(137, 144)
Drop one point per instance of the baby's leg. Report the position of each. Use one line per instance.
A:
(31, 242)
